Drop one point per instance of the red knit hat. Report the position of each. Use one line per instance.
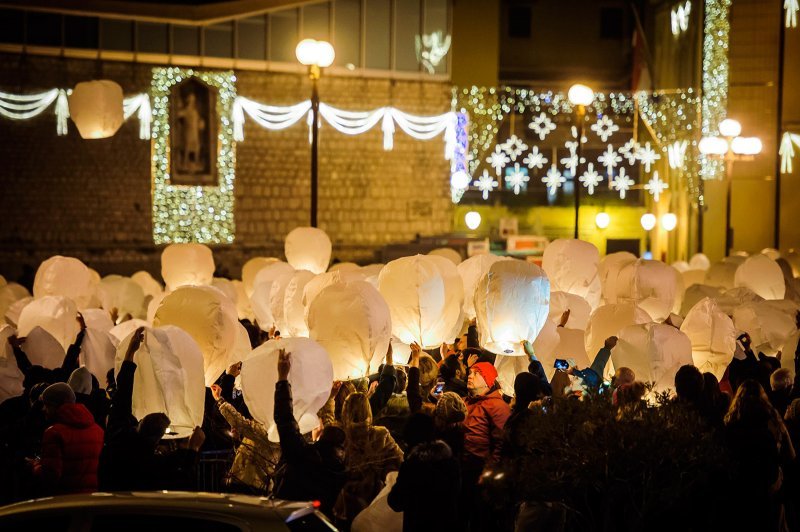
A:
(487, 371)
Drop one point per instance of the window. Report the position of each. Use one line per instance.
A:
(81, 32)
(44, 29)
(519, 22)
(407, 31)
(116, 35)
(219, 40)
(611, 23)
(378, 33)
(316, 22)
(12, 26)
(436, 22)
(347, 32)
(252, 36)
(185, 40)
(151, 38)
(283, 35)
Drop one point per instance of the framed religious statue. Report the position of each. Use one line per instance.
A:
(193, 133)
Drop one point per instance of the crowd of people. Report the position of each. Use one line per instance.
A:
(418, 438)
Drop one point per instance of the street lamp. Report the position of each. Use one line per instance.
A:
(316, 55)
(580, 96)
(729, 147)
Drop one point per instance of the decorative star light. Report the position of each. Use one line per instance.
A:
(486, 183)
(791, 7)
(656, 186)
(647, 156)
(622, 183)
(629, 150)
(535, 159)
(590, 178)
(498, 159)
(553, 180)
(571, 162)
(542, 125)
(679, 18)
(676, 154)
(609, 159)
(604, 128)
(516, 178)
(514, 147)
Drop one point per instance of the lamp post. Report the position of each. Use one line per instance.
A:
(580, 96)
(316, 55)
(729, 147)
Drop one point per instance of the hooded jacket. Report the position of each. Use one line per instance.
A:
(70, 452)
(486, 417)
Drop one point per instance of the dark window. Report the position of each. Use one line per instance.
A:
(152, 38)
(252, 36)
(157, 523)
(40, 520)
(185, 40)
(219, 40)
(12, 26)
(611, 23)
(283, 35)
(80, 32)
(116, 35)
(519, 22)
(44, 29)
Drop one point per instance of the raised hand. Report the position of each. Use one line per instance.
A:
(81, 321)
(564, 318)
(416, 350)
(235, 369)
(611, 342)
(216, 391)
(136, 342)
(389, 355)
(284, 364)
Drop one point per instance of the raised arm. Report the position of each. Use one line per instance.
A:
(600, 361)
(121, 411)
(292, 442)
(535, 367)
(23, 362)
(386, 384)
(413, 394)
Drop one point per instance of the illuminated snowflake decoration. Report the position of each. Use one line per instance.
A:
(590, 178)
(553, 180)
(486, 184)
(629, 150)
(604, 128)
(571, 161)
(516, 178)
(542, 125)
(514, 147)
(647, 155)
(676, 154)
(535, 159)
(679, 18)
(609, 159)
(498, 159)
(792, 7)
(622, 183)
(656, 186)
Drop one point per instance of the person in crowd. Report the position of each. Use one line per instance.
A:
(394, 415)
(307, 470)
(527, 390)
(71, 445)
(383, 389)
(689, 385)
(454, 374)
(89, 394)
(622, 376)
(535, 368)
(714, 403)
(744, 364)
(449, 416)
(781, 389)
(40, 374)
(629, 399)
(422, 377)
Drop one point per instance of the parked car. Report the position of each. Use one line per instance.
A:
(162, 511)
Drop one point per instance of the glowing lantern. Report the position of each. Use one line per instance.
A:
(692, 277)
(10, 294)
(10, 376)
(344, 266)
(209, 317)
(448, 253)
(311, 378)
(187, 265)
(123, 294)
(471, 271)
(267, 297)
(699, 262)
(96, 108)
(579, 310)
(123, 330)
(508, 367)
(150, 286)
(43, 349)
(55, 314)
(713, 337)
(308, 248)
(609, 320)
(511, 304)
(96, 318)
(608, 272)
(546, 346)
(722, 274)
(319, 282)
(769, 327)
(294, 312)
(352, 322)
(169, 378)
(572, 266)
(731, 299)
(15, 309)
(793, 258)
(697, 292)
(97, 353)
(771, 253)
(762, 275)
(424, 297)
(251, 269)
(243, 308)
(654, 352)
(371, 273)
(226, 287)
(572, 345)
(65, 276)
(652, 285)
(681, 265)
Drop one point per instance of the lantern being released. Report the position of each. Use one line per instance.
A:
(187, 265)
(654, 352)
(609, 320)
(713, 337)
(608, 271)
(293, 310)
(65, 276)
(471, 271)
(352, 322)
(311, 378)
(762, 275)
(512, 302)
(448, 253)
(572, 266)
(654, 286)
(55, 314)
(579, 310)
(122, 294)
(251, 269)
(424, 294)
(769, 327)
(308, 248)
(150, 286)
(169, 378)
(96, 108)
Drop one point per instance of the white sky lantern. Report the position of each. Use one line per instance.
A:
(10, 294)
(65, 276)
(43, 349)
(508, 367)
(97, 353)
(251, 269)
(654, 286)
(699, 261)
(243, 308)
(681, 265)
(308, 248)
(311, 377)
(608, 272)
(546, 346)
(654, 352)
(353, 323)
(424, 297)
(260, 303)
(344, 266)
(731, 299)
(209, 317)
(277, 296)
(371, 273)
(692, 277)
(713, 337)
(294, 312)
(579, 310)
(512, 302)
(169, 378)
(266, 299)
(609, 320)
(55, 314)
(123, 294)
(153, 305)
(124, 329)
(150, 286)
(96, 108)
(187, 265)
(769, 327)
(97, 318)
(572, 266)
(241, 347)
(762, 275)
(695, 293)
(722, 274)
(772, 253)
(10, 376)
(14, 310)
(320, 282)
(471, 271)
(572, 345)
(448, 253)
(226, 287)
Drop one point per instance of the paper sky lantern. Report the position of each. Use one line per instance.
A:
(344, 266)
(55, 314)
(153, 305)
(318, 283)
(97, 353)
(424, 297)
(654, 352)
(267, 297)
(508, 367)
(10, 376)
(209, 317)
(353, 323)
(260, 303)
(695, 293)
(769, 326)
(572, 345)
(65, 276)
(771, 253)
(294, 312)
(762, 275)
(793, 258)
(169, 378)
(371, 273)
(681, 265)
(187, 265)
(123, 330)
(308, 248)
(608, 272)
(699, 262)
(251, 269)
(731, 299)
(546, 343)
(311, 378)
(15, 310)
(722, 274)
(471, 271)
(97, 318)
(572, 266)
(609, 320)
(692, 277)
(241, 347)
(226, 287)
(243, 308)
(123, 294)
(96, 108)
(512, 302)
(652, 285)
(448, 253)
(713, 337)
(579, 310)
(10, 294)
(43, 349)
(150, 286)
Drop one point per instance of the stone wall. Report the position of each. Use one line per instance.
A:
(91, 199)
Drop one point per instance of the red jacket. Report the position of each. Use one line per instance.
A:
(486, 417)
(70, 452)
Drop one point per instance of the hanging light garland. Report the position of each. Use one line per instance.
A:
(788, 142)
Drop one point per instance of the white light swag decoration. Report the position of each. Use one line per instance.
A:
(25, 106)
(792, 7)
(679, 17)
